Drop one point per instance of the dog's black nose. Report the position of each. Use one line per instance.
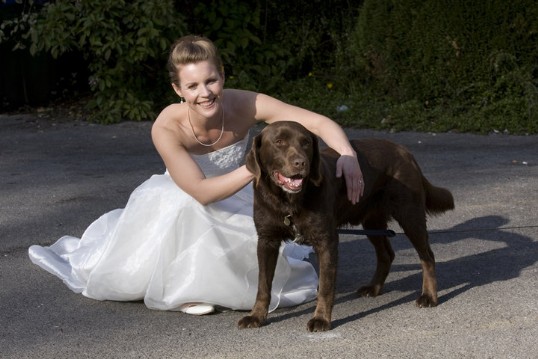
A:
(299, 163)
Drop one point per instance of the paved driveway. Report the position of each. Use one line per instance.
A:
(58, 177)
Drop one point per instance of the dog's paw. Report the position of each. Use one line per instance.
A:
(369, 291)
(249, 322)
(426, 301)
(318, 325)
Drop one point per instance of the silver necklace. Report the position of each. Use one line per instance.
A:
(194, 134)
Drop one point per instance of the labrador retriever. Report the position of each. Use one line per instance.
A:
(297, 195)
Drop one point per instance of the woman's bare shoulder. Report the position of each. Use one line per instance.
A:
(169, 124)
(170, 114)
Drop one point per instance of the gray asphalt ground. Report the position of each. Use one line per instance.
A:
(56, 178)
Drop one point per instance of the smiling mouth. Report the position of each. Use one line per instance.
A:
(291, 184)
(208, 103)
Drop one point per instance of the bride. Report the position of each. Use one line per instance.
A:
(186, 239)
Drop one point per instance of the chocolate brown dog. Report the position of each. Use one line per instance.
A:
(297, 195)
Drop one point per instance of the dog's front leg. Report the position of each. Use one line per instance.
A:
(328, 261)
(267, 258)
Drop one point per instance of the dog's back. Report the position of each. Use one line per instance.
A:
(390, 172)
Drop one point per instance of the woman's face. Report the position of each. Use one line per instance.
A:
(201, 86)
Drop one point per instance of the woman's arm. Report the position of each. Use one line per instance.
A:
(187, 174)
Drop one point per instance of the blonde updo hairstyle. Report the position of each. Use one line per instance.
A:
(192, 49)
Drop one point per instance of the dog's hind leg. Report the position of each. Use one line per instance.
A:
(415, 229)
(384, 255)
(267, 259)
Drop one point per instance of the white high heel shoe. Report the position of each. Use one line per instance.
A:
(197, 308)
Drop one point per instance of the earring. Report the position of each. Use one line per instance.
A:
(181, 99)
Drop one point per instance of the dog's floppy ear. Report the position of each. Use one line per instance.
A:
(253, 159)
(316, 175)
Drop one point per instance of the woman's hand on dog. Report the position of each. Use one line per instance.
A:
(348, 166)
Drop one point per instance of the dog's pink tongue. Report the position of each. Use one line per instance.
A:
(296, 183)
(291, 183)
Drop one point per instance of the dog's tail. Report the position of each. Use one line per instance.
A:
(438, 200)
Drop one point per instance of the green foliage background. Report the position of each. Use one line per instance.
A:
(451, 65)
(430, 65)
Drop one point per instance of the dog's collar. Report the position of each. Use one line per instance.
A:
(299, 239)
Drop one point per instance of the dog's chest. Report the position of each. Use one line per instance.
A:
(297, 235)
(301, 219)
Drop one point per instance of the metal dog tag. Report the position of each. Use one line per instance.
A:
(287, 220)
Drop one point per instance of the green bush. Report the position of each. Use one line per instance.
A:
(125, 45)
(433, 65)
(235, 28)
(475, 61)
(15, 24)
(266, 45)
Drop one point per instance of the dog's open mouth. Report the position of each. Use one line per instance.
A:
(291, 184)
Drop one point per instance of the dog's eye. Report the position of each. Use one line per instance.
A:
(279, 142)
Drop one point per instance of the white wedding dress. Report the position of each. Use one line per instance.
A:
(167, 249)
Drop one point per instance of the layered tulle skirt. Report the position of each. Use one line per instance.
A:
(168, 250)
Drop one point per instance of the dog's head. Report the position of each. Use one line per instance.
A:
(287, 154)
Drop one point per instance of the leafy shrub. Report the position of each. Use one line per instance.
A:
(125, 45)
(15, 23)
(434, 65)
(267, 44)
(313, 32)
(474, 60)
(234, 26)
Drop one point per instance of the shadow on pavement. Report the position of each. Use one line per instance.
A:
(460, 275)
